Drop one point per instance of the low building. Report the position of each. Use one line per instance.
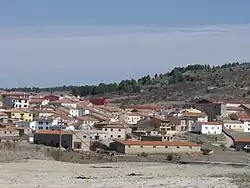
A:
(153, 147)
(234, 125)
(209, 128)
(240, 143)
(11, 132)
(70, 140)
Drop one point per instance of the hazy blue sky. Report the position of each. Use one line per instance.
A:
(61, 42)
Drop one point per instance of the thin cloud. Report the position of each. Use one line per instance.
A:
(47, 56)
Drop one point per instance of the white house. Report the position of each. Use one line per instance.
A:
(132, 118)
(207, 128)
(38, 124)
(115, 131)
(16, 102)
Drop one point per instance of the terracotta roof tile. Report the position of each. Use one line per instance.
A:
(53, 132)
(36, 100)
(243, 116)
(156, 143)
(210, 123)
(191, 114)
(143, 107)
(120, 126)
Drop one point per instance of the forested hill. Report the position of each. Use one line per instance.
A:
(225, 81)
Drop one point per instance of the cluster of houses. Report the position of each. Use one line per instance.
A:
(42, 119)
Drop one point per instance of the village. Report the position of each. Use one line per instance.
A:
(93, 125)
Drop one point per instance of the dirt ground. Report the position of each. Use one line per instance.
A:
(52, 174)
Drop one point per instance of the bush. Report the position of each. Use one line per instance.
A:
(170, 157)
(143, 154)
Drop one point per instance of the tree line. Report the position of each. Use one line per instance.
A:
(129, 85)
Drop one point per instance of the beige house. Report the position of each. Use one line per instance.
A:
(234, 125)
(115, 131)
(153, 147)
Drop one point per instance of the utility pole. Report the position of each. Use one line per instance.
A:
(60, 140)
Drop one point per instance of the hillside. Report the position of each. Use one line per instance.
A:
(229, 81)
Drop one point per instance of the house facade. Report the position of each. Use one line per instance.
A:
(209, 128)
(20, 114)
(16, 102)
(76, 141)
(234, 125)
(132, 118)
(115, 131)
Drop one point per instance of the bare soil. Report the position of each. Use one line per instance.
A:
(52, 174)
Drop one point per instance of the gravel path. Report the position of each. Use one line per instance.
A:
(52, 174)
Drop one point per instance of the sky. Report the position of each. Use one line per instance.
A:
(52, 43)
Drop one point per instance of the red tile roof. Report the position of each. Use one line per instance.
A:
(210, 123)
(242, 140)
(64, 100)
(143, 107)
(234, 108)
(118, 126)
(36, 100)
(242, 116)
(156, 143)
(54, 132)
(191, 114)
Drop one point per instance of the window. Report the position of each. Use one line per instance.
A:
(119, 136)
(177, 147)
(111, 136)
(141, 146)
(206, 128)
(47, 128)
(4, 132)
(119, 129)
(47, 123)
(212, 127)
(164, 137)
(106, 129)
(84, 136)
(25, 106)
(111, 130)
(218, 128)
(166, 146)
(129, 146)
(190, 147)
(154, 146)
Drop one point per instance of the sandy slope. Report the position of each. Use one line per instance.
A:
(51, 174)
